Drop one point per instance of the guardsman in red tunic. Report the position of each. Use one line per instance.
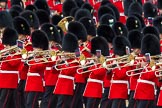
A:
(145, 89)
(107, 32)
(9, 70)
(64, 88)
(80, 29)
(22, 27)
(135, 38)
(51, 74)
(94, 87)
(35, 76)
(119, 82)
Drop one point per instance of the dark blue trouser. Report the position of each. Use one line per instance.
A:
(105, 102)
(77, 101)
(145, 104)
(7, 98)
(93, 102)
(21, 101)
(64, 101)
(49, 100)
(118, 103)
(132, 101)
(32, 99)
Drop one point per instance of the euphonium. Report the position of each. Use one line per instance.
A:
(63, 24)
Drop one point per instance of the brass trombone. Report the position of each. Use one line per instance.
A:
(101, 60)
(152, 64)
(81, 61)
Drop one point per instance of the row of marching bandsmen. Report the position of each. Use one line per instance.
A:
(67, 79)
(72, 66)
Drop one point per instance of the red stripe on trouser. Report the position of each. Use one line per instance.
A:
(72, 104)
(147, 104)
(94, 103)
(119, 104)
(33, 105)
(6, 99)
(49, 101)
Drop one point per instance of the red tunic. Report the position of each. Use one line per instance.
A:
(145, 88)
(65, 82)
(94, 85)
(119, 84)
(58, 8)
(35, 75)
(50, 74)
(9, 72)
(119, 5)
